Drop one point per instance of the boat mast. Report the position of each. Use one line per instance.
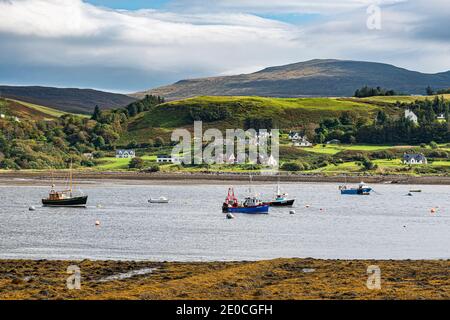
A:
(70, 175)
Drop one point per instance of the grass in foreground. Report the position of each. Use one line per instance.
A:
(272, 279)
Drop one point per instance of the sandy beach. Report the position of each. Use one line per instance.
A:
(269, 279)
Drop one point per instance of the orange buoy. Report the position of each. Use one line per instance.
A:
(97, 223)
(433, 210)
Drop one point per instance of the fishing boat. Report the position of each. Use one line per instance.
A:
(159, 200)
(251, 204)
(64, 198)
(281, 199)
(362, 189)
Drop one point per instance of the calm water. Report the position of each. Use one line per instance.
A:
(385, 225)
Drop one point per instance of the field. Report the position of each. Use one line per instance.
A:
(254, 280)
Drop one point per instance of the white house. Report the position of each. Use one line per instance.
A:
(229, 159)
(2, 115)
(411, 116)
(122, 153)
(414, 158)
(162, 158)
(294, 135)
(441, 117)
(302, 142)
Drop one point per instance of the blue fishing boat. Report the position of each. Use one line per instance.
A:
(250, 205)
(362, 189)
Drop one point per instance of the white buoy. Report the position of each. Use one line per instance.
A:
(307, 206)
(97, 223)
(230, 215)
(99, 206)
(292, 212)
(32, 208)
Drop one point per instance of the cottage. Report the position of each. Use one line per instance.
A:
(414, 158)
(230, 159)
(125, 153)
(294, 135)
(411, 116)
(162, 158)
(2, 115)
(441, 117)
(89, 156)
(302, 142)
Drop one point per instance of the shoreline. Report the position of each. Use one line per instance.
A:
(283, 278)
(213, 178)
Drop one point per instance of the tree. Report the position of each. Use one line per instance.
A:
(381, 118)
(97, 113)
(159, 142)
(136, 163)
(429, 91)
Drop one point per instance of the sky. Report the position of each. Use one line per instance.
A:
(129, 46)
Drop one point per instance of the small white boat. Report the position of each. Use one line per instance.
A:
(159, 200)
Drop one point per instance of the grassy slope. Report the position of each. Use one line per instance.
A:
(31, 111)
(286, 112)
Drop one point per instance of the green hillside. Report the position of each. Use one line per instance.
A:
(232, 112)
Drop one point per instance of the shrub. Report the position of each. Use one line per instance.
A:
(153, 168)
(290, 166)
(136, 163)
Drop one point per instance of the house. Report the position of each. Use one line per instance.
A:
(2, 115)
(414, 158)
(122, 153)
(162, 158)
(302, 142)
(230, 159)
(334, 141)
(441, 117)
(411, 116)
(294, 135)
(89, 156)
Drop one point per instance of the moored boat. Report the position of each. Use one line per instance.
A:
(64, 198)
(250, 205)
(281, 199)
(362, 189)
(159, 200)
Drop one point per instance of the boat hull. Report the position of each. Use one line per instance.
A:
(250, 210)
(281, 203)
(71, 202)
(363, 191)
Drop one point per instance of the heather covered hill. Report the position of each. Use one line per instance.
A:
(311, 78)
(66, 99)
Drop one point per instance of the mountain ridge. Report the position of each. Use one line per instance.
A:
(317, 77)
(73, 100)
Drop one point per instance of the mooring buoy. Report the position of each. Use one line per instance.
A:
(230, 215)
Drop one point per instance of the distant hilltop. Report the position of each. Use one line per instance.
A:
(66, 99)
(319, 77)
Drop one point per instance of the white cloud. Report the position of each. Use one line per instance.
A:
(222, 38)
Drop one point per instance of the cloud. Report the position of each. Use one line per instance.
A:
(70, 42)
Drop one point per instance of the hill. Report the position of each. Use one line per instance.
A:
(28, 111)
(66, 99)
(232, 112)
(333, 78)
